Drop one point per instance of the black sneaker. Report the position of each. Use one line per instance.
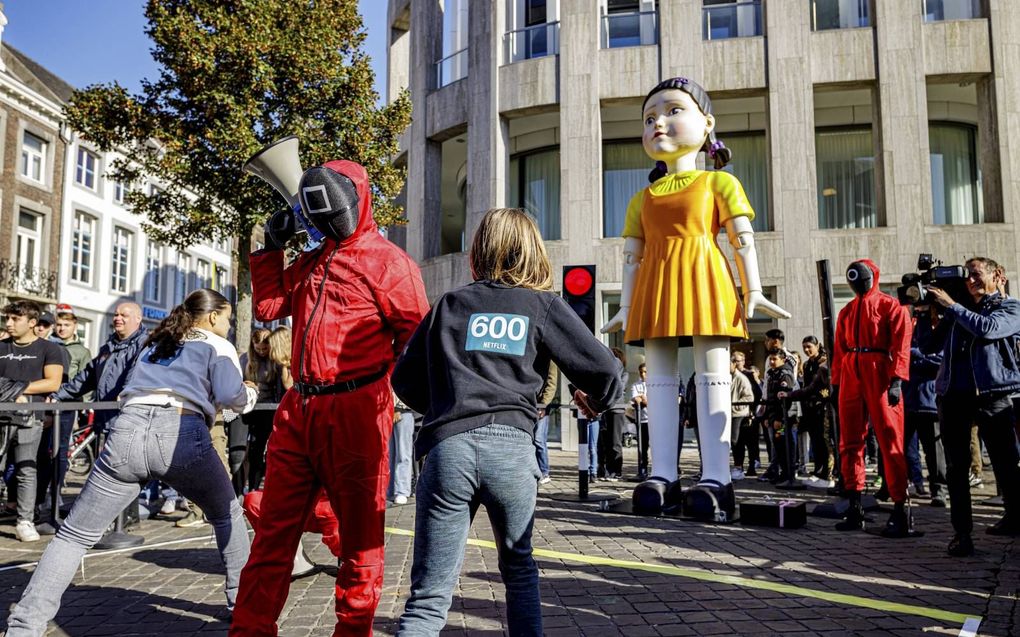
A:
(1004, 527)
(961, 546)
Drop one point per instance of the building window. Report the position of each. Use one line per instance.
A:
(83, 247)
(120, 274)
(222, 281)
(33, 157)
(535, 186)
(29, 240)
(625, 168)
(203, 274)
(722, 19)
(840, 14)
(846, 179)
(118, 192)
(938, 10)
(750, 166)
(153, 272)
(181, 276)
(955, 178)
(538, 37)
(82, 330)
(85, 169)
(454, 65)
(629, 23)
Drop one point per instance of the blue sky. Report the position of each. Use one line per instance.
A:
(97, 41)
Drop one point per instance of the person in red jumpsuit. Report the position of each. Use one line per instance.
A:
(355, 300)
(870, 360)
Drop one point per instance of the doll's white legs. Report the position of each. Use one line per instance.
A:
(663, 388)
(712, 381)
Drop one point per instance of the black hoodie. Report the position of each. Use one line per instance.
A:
(482, 354)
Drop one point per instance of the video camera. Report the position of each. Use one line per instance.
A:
(930, 271)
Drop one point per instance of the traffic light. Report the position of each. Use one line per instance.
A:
(579, 292)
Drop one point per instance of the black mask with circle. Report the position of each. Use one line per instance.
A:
(860, 278)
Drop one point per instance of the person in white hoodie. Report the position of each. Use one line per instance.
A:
(187, 372)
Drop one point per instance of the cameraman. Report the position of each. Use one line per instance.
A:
(979, 371)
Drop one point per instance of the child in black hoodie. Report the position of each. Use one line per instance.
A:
(475, 367)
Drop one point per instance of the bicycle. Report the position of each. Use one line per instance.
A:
(80, 454)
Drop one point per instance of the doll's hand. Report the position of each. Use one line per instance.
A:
(755, 300)
(618, 322)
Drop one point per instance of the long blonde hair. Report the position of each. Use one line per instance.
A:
(251, 370)
(280, 346)
(508, 248)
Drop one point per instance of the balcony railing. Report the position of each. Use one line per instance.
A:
(17, 279)
(535, 41)
(452, 68)
(840, 14)
(939, 10)
(735, 20)
(638, 28)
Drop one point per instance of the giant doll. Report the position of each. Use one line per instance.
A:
(355, 299)
(678, 290)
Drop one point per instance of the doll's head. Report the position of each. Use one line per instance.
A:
(508, 248)
(677, 116)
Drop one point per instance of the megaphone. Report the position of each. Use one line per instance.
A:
(278, 165)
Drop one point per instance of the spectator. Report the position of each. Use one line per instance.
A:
(106, 374)
(741, 397)
(754, 433)
(639, 398)
(259, 369)
(44, 327)
(187, 373)
(66, 335)
(779, 381)
(401, 453)
(978, 373)
(921, 411)
(611, 432)
(546, 396)
(813, 397)
(26, 357)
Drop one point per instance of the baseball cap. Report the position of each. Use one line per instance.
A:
(46, 318)
(64, 308)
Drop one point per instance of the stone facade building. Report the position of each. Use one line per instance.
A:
(861, 128)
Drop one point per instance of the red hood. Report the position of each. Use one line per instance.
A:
(874, 272)
(357, 174)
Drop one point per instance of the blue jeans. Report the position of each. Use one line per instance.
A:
(144, 442)
(542, 444)
(401, 455)
(593, 444)
(913, 455)
(493, 465)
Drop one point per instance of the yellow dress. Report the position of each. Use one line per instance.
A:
(684, 285)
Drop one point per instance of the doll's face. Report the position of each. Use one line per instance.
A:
(674, 125)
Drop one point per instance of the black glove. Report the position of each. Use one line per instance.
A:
(279, 229)
(895, 391)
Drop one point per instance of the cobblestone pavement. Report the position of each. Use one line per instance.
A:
(601, 574)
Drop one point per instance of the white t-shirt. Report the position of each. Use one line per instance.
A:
(204, 375)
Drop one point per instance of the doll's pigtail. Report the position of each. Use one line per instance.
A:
(717, 151)
(660, 171)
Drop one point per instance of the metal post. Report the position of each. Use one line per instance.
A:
(55, 460)
(642, 469)
(582, 457)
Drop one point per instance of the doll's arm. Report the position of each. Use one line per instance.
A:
(633, 250)
(742, 239)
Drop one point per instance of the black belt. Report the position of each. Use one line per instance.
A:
(308, 389)
(868, 350)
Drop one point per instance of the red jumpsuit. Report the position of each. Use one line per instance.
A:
(354, 304)
(872, 346)
(321, 519)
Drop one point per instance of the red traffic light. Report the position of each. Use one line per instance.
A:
(578, 281)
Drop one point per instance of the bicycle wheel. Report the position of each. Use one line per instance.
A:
(80, 462)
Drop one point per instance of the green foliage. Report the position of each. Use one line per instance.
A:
(236, 75)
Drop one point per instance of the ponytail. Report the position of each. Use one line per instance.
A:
(166, 339)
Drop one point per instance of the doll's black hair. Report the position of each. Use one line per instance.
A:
(715, 148)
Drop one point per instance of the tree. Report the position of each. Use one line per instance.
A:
(234, 76)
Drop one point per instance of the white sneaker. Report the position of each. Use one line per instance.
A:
(25, 531)
(169, 506)
(545, 480)
(736, 473)
(400, 500)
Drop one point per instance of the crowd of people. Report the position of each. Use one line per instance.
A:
(370, 380)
